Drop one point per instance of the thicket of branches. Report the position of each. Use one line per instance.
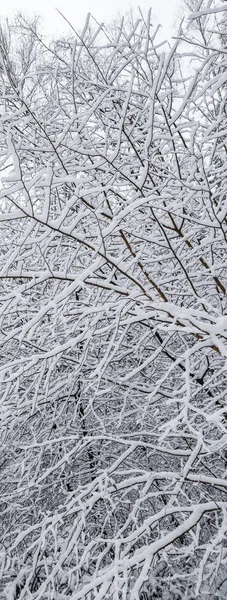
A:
(113, 311)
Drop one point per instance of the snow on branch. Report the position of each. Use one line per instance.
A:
(113, 311)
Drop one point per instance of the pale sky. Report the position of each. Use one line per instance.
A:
(165, 11)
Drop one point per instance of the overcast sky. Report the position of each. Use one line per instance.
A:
(165, 11)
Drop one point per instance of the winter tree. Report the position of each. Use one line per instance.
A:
(113, 311)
